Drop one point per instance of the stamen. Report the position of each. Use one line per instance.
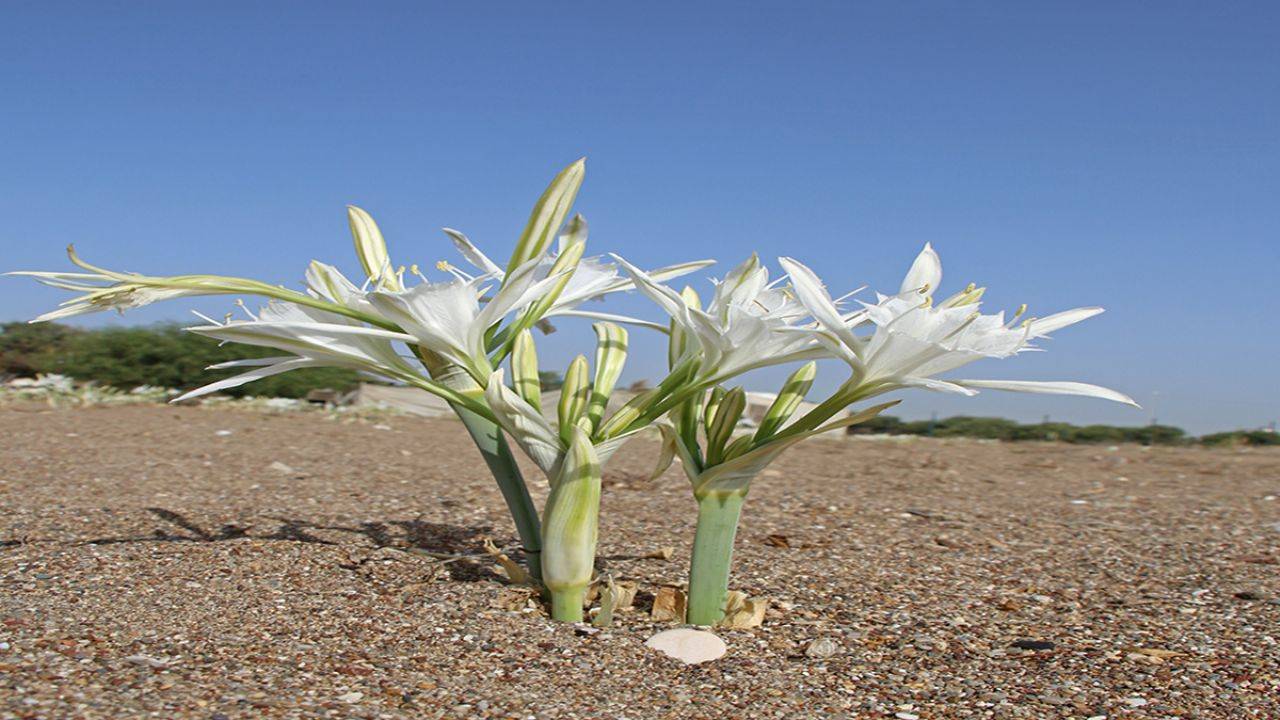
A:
(245, 308)
(963, 326)
(205, 318)
(1022, 309)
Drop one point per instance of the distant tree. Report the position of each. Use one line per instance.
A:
(159, 355)
(28, 349)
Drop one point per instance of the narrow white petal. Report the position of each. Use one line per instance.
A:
(473, 254)
(1046, 325)
(250, 362)
(935, 385)
(666, 298)
(1048, 387)
(818, 302)
(610, 317)
(248, 377)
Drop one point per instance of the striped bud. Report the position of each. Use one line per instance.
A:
(372, 250)
(573, 396)
(784, 406)
(611, 356)
(524, 369)
(548, 214)
(724, 423)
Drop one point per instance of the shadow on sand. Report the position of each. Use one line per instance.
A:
(437, 539)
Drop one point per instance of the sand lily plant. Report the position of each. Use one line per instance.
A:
(462, 337)
(444, 337)
(911, 340)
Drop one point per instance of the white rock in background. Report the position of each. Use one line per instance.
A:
(687, 645)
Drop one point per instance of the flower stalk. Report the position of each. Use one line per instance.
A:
(712, 559)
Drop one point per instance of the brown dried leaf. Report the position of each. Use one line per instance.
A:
(614, 596)
(663, 553)
(669, 605)
(742, 613)
(778, 541)
(516, 574)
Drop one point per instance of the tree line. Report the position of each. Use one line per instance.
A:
(165, 356)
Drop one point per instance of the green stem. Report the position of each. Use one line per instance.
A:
(567, 602)
(502, 464)
(497, 455)
(712, 556)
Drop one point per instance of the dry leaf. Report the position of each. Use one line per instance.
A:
(663, 553)
(669, 605)
(610, 600)
(516, 574)
(778, 541)
(742, 613)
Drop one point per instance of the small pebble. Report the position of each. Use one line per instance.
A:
(822, 648)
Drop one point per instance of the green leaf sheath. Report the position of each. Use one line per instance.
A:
(712, 556)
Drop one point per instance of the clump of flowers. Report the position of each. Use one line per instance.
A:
(468, 338)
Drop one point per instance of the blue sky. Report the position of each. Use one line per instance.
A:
(1119, 154)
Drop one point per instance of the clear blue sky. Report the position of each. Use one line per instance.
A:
(1121, 154)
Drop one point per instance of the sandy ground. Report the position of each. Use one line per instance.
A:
(154, 563)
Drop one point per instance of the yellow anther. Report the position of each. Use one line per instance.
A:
(928, 302)
(924, 289)
(443, 265)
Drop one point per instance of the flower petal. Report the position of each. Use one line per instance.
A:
(1050, 387)
(1046, 325)
(925, 272)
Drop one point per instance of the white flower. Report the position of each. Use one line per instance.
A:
(748, 323)
(915, 338)
(315, 339)
(592, 279)
(448, 317)
(103, 292)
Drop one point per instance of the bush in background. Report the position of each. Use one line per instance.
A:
(157, 355)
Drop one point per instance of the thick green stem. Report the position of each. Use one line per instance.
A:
(712, 556)
(497, 455)
(567, 602)
(502, 464)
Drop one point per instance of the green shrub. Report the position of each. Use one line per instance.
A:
(975, 427)
(159, 355)
(1242, 437)
(26, 349)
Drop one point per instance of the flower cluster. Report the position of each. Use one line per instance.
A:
(460, 336)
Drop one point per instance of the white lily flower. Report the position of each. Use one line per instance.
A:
(316, 339)
(592, 279)
(448, 317)
(110, 290)
(915, 339)
(748, 323)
